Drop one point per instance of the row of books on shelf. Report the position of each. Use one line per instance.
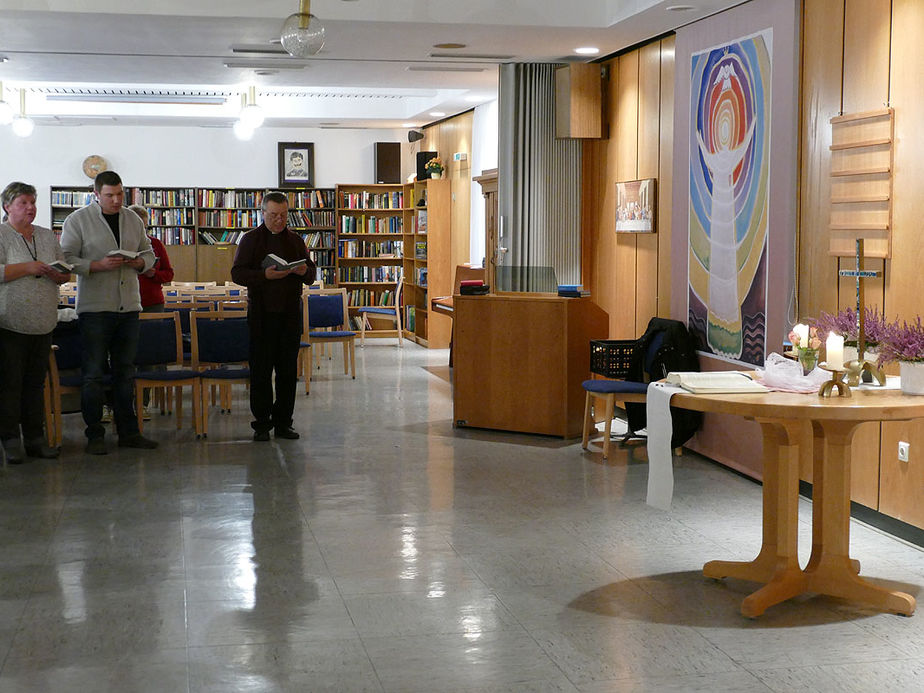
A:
(364, 224)
(372, 200)
(322, 257)
(239, 219)
(312, 199)
(420, 250)
(364, 249)
(171, 217)
(421, 276)
(328, 275)
(302, 218)
(173, 236)
(371, 297)
(572, 290)
(410, 318)
(183, 197)
(230, 198)
(70, 198)
(319, 239)
(358, 273)
(213, 237)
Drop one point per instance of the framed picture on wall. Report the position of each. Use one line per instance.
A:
(636, 206)
(296, 164)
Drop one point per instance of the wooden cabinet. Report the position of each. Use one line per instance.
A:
(496, 386)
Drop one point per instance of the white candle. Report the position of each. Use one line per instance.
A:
(834, 351)
(803, 332)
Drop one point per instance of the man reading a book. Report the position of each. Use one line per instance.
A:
(274, 314)
(108, 304)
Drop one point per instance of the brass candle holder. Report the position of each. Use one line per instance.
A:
(856, 368)
(836, 382)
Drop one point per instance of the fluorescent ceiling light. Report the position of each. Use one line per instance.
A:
(184, 99)
(437, 114)
(262, 48)
(473, 56)
(268, 64)
(435, 68)
(587, 50)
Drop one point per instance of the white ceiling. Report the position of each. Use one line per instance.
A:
(377, 68)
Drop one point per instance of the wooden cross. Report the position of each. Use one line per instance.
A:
(860, 274)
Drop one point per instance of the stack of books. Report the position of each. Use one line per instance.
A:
(572, 290)
(473, 287)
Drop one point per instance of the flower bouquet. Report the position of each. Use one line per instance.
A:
(904, 342)
(844, 323)
(434, 167)
(806, 343)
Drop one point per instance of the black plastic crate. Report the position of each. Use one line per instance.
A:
(611, 357)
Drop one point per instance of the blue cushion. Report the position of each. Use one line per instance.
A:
(166, 375)
(383, 310)
(605, 387)
(225, 373)
(331, 335)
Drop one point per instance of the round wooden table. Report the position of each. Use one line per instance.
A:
(785, 421)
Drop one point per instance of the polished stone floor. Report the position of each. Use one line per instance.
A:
(385, 551)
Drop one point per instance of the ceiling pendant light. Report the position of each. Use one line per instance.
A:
(241, 129)
(22, 124)
(302, 34)
(251, 114)
(6, 110)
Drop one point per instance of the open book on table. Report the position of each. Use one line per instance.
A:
(272, 260)
(714, 382)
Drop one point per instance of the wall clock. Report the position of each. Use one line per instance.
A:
(94, 164)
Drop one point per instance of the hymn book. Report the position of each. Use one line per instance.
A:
(714, 382)
(272, 260)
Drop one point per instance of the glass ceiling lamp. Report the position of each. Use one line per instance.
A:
(251, 114)
(302, 34)
(6, 110)
(22, 124)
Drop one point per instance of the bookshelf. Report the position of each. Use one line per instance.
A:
(429, 262)
(171, 220)
(370, 244)
(67, 199)
(312, 213)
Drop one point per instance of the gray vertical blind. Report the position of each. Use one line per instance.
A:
(539, 185)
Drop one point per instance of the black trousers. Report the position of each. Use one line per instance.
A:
(274, 340)
(24, 359)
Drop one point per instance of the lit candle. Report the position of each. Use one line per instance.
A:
(834, 351)
(803, 332)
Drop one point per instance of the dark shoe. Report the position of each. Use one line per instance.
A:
(136, 440)
(261, 436)
(288, 432)
(13, 451)
(96, 446)
(39, 449)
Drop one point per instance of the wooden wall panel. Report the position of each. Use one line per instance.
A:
(665, 178)
(822, 68)
(625, 131)
(648, 145)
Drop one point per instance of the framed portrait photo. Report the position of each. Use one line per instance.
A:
(296, 164)
(636, 206)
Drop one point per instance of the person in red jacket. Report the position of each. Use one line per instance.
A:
(151, 283)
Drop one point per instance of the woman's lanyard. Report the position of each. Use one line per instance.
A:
(33, 251)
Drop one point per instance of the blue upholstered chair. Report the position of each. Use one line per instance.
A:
(392, 313)
(326, 320)
(620, 390)
(220, 355)
(160, 363)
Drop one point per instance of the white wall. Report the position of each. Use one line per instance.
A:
(484, 156)
(181, 156)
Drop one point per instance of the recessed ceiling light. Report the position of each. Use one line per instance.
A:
(680, 8)
(437, 114)
(475, 98)
(449, 45)
(587, 50)
(409, 125)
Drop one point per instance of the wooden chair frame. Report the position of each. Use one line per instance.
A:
(223, 382)
(392, 312)
(310, 337)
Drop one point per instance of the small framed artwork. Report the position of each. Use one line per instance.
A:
(636, 204)
(296, 164)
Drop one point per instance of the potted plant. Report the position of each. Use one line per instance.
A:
(904, 342)
(844, 323)
(434, 167)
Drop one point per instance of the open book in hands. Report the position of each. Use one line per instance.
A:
(61, 266)
(714, 382)
(280, 264)
(124, 254)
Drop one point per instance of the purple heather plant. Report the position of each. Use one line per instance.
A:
(902, 342)
(844, 323)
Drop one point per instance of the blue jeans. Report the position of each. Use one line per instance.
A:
(109, 341)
